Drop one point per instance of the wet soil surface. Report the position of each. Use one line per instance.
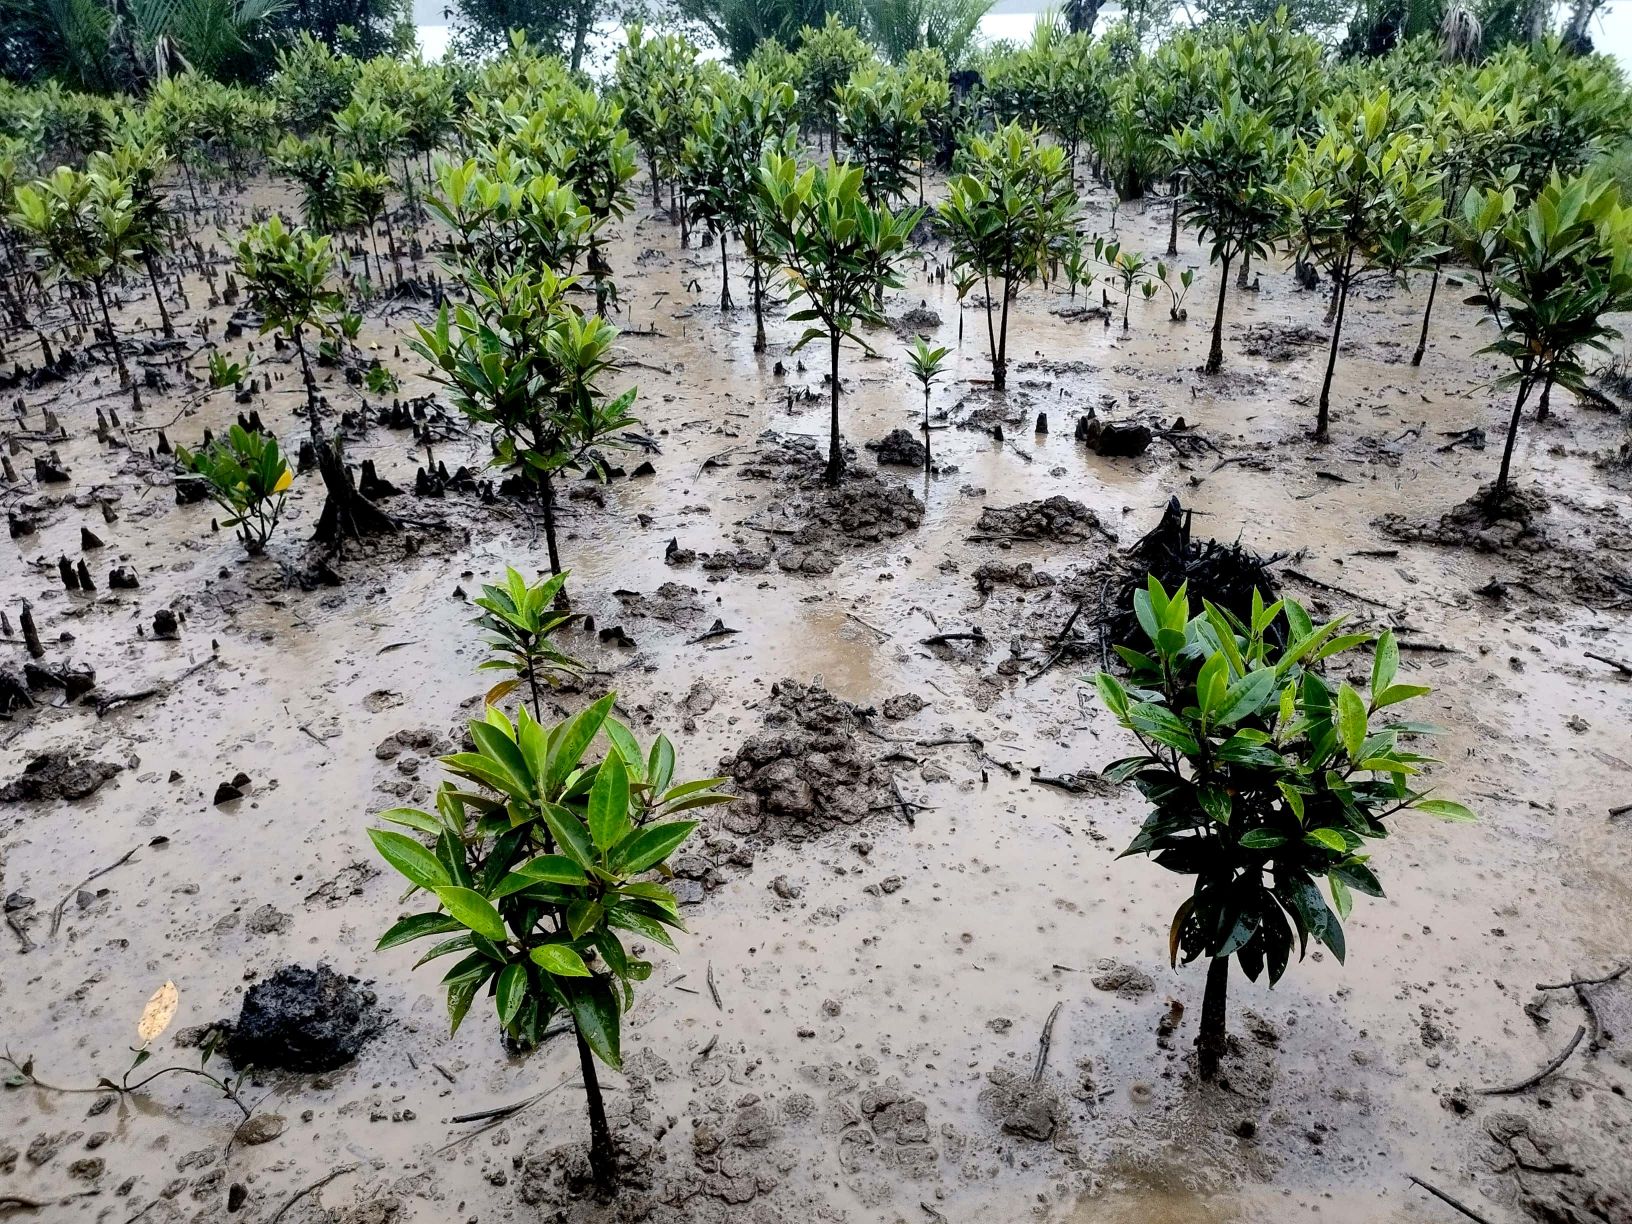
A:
(920, 985)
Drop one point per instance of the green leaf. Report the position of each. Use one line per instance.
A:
(474, 910)
(1215, 801)
(1396, 693)
(1330, 839)
(1262, 839)
(1246, 696)
(1385, 663)
(609, 802)
(1120, 771)
(570, 833)
(559, 959)
(646, 848)
(595, 1014)
(1112, 694)
(1445, 809)
(511, 992)
(1351, 720)
(416, 926)
(410, 858)
(1211, 682)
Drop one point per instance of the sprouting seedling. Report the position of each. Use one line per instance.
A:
(1075, 266)
(1127, 268)
(224, 372)
(963, 280)
(927, 364)
(1186, 278)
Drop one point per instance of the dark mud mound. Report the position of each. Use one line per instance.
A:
(1474, 524)
(57, 775)
(814, 520)
(302, 1019)
(1056, 519)
(808, 771)
(898, 448)
(1281, 342)
(1223, 574)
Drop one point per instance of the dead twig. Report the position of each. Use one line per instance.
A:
(315, 1186)
(1624, 668)
(713, 989)
(56, 914)
(1554, 1065)
(1612, 976)
(1445, 1198)
(1044, 1042)
(941, 639)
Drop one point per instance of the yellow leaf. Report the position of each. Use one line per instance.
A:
(284, 481)
(160, 1010)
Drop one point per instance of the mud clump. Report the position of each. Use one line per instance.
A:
(1026, 1107)
(1114, 439)
(994, 574)
(1476, 524)
(864, 508)
(302, 1019)
(806, 773)
(57, 775)
(672, 603)
(919, 319)
(1054, 518)
(1281, 342)
(898, 448)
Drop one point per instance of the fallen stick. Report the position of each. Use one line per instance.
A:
(884, 633)
(713, 989)
(1064, 784)
(315, 1186)
(1044, 1042)
(56, 914)
(1445, 1198)
(941, 639)
(1624, 668)
(1554, 1065)
(1612, 976)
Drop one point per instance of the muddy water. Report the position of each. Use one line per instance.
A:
(841, 1009)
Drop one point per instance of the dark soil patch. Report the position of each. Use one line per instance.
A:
(57, 775)
(302, 1019)
(807, 772)
(1054, 518)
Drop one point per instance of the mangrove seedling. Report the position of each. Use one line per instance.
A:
(1127, 269)
(927, 364)
(838, 254)
(1186, 278)
(1008, 214)
(537, 872)
(285, 272)
(519, 618)
(1264, 778)
(247, 477)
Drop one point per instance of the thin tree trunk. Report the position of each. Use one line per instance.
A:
(1002, 379)
(603, 1162)
(991, 335)
(835, 457)
(725, 277)
(926, 427)
(1499, 493)
(1173, 227)
(1545, 408)
(390, 242)
(549, 523)
(158, 296)
(113, 340)
(1325, 416)
(759, 309)
(1215, 355)
(1212, 1040)
(1427, 313)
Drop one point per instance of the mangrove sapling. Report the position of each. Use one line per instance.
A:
(285, 272)
(504, 219)
(81, 224)
(838, 255)
(536, 870)
(1264, 778)
(735, 123)
(1127, 269)
(1186, 278)
(927, 364)
(1075, 266)
(521, 360)
(1549, 276)
(1469, 136)
(1362, 202)
(247, 477)
(363, 198)
(1008, 214)
(1227, 167)
(138, 160)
